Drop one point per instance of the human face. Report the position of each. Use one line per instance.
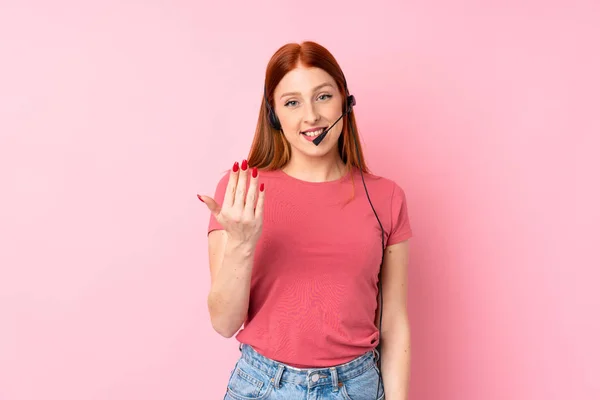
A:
(307, 101)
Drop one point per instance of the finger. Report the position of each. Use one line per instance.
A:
(211, 204)
(231, 186)
(260, 203)
(240, 189)
(252, 193)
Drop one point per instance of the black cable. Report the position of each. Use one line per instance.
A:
(380, 266)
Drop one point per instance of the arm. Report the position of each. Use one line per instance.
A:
(231, 273)
(235, 227)
(395, 334)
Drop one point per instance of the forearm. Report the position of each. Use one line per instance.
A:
(229, 295)
(395, 361)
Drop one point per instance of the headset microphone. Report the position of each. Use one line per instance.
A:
(350, 102)
(320, 138)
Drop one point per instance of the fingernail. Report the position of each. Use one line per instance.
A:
(200, 198)
(236, 166)
(244, 165)
(262, 187)
(254, 172)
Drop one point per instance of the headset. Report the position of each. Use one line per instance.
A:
(350, 103)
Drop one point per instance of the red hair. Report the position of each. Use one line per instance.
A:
(270, 149)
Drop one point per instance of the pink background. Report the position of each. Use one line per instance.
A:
(113, 115)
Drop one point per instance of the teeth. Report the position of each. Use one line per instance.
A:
(314, 133)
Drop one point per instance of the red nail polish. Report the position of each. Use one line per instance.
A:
(236, 166)
(254, 172)
(200, 198)
(262, 187)
(244, 165)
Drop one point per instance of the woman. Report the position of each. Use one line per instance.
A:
(299, 252)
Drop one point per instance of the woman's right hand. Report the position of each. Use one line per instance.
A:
(241, 214)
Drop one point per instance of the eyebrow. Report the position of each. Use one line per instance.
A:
(314, 89)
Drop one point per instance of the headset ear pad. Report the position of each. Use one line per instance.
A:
(350, 102)
(273, 120)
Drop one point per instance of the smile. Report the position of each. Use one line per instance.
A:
(313, 133)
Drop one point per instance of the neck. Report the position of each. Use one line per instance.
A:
(319, 169)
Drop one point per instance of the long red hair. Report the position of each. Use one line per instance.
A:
(270, 149)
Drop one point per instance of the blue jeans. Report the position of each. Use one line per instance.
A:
(256, 377)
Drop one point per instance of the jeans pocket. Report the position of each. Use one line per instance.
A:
(248, 383)
(366, 386)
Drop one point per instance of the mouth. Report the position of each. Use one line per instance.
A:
(311, 133)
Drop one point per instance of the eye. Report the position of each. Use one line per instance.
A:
(325, 96)
(289, 103)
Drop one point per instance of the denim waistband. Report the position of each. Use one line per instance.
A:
(310, 377)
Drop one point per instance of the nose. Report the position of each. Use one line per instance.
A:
(312, 113)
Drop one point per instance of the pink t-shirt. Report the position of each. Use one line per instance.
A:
(313, 295)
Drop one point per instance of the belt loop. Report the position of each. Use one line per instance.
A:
(334, 378)
(277, 379)
(376, 355)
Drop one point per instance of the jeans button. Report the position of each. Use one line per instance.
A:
(315, 378)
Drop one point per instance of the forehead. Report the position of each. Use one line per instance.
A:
(303, 79)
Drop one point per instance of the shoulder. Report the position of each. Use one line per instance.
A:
(387, 194)
(222, 181)
(383, 185)
(390, 199)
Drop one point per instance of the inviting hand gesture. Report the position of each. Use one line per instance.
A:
(241, 213)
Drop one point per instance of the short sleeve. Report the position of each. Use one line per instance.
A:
(213, 224)
(400, 222)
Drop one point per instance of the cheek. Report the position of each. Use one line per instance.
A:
(289, 123)
(331, 112)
